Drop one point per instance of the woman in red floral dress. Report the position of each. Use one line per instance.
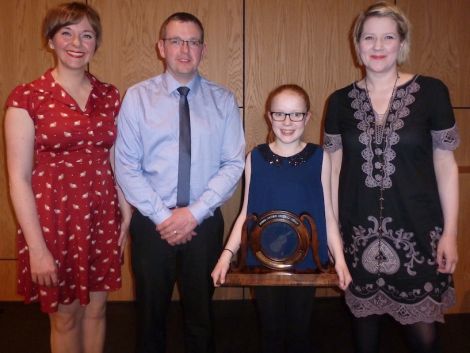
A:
(60, 130)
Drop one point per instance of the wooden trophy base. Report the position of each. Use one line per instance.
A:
(280, 279)
(240, 279)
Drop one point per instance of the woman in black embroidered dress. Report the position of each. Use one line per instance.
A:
(390, 137)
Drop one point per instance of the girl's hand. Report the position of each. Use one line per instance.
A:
(221, 268)
(343, 275)
(43, 268)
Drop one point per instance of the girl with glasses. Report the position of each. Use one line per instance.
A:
(291, 175)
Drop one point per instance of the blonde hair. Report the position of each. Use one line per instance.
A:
(384, 9)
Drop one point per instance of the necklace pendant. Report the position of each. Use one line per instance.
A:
(379, 134)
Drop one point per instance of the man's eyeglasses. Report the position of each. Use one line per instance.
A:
(178, 42)
(281, 116)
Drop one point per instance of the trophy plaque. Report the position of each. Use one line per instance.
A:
(272, 246)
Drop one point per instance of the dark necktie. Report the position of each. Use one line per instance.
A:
(184, 162)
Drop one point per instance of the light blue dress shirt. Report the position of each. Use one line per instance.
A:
(146, 148)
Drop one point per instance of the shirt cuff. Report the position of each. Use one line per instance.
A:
(199, 211)
(161, 216)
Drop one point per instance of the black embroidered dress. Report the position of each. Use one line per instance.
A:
(391, 253)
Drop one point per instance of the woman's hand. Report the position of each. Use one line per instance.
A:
(43, 267)
(447, 176)
(447, 256)
(343, 275)
(221, 268)
(124, 234)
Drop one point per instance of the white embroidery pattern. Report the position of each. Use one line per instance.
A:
(447, 139)
(372, 166)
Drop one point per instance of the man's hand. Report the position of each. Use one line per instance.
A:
(179, 227)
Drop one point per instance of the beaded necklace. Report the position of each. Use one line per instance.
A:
(381, 119)
(380, 122)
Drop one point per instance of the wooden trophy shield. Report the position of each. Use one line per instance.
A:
(271, 246)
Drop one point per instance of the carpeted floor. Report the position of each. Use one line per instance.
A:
(23, 329)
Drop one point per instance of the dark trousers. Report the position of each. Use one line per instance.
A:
(157, 266)
(285, 316)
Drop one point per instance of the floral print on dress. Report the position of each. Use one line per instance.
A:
(74, 188)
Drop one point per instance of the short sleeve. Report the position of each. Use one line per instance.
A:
(443, 127)
(332, 136)
(21, 97)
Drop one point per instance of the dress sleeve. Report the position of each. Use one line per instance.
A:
(444, 131)
(332, 136)
(22, 97)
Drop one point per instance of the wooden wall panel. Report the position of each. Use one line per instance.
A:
(8, 281)
(131, 30)
(462, 154)
(292, 43)
(441, 43)
(462, 273)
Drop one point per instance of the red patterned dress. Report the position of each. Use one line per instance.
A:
(74, 189)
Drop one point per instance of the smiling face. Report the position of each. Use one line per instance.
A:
(287, 131)
(182, 61)
(74, 45)
(379, 44)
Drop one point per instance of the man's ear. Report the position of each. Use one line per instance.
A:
(160, 48)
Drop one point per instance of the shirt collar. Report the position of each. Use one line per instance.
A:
(172, 84)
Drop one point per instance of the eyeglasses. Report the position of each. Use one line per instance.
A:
(294, 116)
(178, 42)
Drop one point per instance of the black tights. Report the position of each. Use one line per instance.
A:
(421, 337)
(285, 314)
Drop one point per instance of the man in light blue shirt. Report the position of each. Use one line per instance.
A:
(171, 242)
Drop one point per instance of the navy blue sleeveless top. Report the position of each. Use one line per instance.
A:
(290, 184)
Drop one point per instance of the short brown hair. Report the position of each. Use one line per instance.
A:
(385, 9)
(302, 93)
(181, 17)
(67, 14)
